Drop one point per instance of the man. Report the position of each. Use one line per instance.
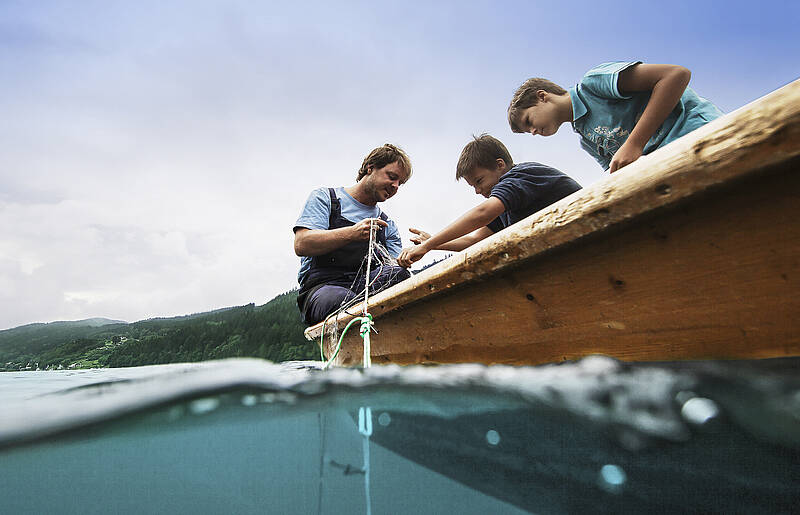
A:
(333, 232)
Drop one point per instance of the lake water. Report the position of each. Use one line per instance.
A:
(249, 436)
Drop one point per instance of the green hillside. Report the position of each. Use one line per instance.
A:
(33, 339)
(272, 331)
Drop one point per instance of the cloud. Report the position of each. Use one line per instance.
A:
(154, 156)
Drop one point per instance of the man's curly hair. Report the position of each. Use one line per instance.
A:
(382, 156)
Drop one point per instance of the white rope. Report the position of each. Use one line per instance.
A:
(366, 323)
(369, 262)
(365, 428)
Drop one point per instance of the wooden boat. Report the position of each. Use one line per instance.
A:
(691, 252)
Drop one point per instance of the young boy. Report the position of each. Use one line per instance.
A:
(621, 110)
(513, 191)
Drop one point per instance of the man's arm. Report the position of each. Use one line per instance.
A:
(472, 220)
(316, 242)
(667, 82)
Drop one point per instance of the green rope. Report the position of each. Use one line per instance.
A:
(366, 324)
(341, 338)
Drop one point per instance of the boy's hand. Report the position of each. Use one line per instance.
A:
(420, 236)
(627, 154)
(362, 228)
(411, 254)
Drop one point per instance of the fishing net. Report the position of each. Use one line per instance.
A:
(383, 272)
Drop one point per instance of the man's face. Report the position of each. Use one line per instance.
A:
(484, 179)
(540, 119)
(383, 183)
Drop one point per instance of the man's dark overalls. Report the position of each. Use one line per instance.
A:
(336, 277)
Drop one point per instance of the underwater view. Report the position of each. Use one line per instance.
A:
(249, 436)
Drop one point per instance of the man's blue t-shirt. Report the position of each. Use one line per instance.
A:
(316, 215)
(527, 188)
(604, 117)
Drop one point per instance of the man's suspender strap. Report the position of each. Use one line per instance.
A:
(336, 208)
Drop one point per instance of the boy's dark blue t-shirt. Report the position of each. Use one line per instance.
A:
(527, 188)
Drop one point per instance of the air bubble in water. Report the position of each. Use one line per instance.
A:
(493, 437)
(612, 477)
(699, 410)
(203, 406)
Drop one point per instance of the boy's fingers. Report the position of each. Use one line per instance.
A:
(422, 235)
(407, 257)
(402, 260)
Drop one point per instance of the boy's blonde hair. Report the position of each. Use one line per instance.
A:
(526, 96)
(482, 152)
(382, 156)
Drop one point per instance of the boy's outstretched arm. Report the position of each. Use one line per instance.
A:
(667, 82)
(473, 219)
(457, 244)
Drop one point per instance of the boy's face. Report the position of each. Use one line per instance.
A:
(484, 179)
(541, 119)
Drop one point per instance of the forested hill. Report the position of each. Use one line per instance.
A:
(272, 331)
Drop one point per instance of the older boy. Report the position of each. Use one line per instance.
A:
(621, 109)
(513, 191)
(333, 231)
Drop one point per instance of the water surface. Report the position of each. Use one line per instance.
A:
(248, 436)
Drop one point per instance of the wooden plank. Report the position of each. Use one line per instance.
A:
(448, 309)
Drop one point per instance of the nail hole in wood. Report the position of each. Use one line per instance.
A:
(616, 282)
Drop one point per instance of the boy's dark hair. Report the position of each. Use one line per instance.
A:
(526, 97)
(382, 156)
(482, 152)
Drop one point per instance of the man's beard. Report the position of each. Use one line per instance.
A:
(374, 193)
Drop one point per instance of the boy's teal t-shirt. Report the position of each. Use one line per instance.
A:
(604, 117)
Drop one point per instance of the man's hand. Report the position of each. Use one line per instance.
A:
(420, 236)
(360, 231)
(627, 154)
(411, 254)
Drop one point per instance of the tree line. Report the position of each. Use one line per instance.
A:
(272, 331)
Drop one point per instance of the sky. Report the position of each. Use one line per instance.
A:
(154, 155)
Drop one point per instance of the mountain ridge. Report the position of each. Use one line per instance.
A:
(272, 331)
